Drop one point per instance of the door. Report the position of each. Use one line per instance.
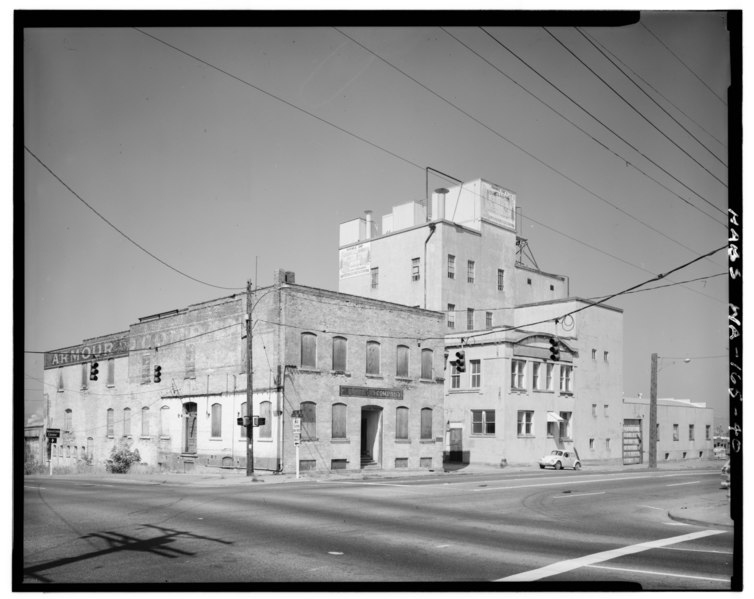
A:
(189, 431)
(455, 453)
(632, 443)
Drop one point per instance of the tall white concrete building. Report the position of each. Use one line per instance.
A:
(459, 253)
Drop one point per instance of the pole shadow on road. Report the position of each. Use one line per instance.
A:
(115, 542)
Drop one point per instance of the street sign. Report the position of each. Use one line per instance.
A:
(296, 425)
(53, 433)
(296, 438)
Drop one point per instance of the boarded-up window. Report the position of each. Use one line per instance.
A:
(401, 361)
(401, 423)
(126, 422)
(265, 430)
(217, 420)
(242, 414)
(373, 357)
(339, 414)
(110, 420)
(110, 372)
(426, 423)
(308, 350)
(427, 356)
(339, 346)
(68, 421)
(164, 421)
(190, 362)
(308, 421)
(145, 422)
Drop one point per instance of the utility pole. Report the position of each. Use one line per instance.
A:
(249, 387)
(653, 414)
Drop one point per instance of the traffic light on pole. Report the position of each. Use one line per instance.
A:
(93, 371)
(157, 373)
(461, 361)
(554, 349)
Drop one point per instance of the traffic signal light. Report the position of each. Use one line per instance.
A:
(157, 373)
(93, 371)
(461, 361)
(554, 349)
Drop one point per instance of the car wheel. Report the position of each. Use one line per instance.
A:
(558, 465)
(577, 466)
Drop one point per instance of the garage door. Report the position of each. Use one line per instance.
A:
(632, 442)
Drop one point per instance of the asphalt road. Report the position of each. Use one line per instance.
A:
(542, 527)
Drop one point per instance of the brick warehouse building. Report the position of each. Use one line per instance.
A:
(366, 376)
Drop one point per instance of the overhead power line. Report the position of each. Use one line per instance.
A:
(689, 69)
(616, 134)
(138, 245)
(641, 89)
(636, 110)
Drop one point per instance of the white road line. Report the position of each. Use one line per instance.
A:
(602, 556)
(652, 507)
(676, 524)
(577, 495)
(695, 482)
(650, 572)
(33, 487)
(563, 482)
(699, 550)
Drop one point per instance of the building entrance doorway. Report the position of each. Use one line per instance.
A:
(371, 436)
(189, 427)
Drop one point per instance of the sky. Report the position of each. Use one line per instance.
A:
(229, 153)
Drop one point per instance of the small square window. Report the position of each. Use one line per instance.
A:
(528, 281)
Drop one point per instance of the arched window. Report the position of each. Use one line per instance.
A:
(265, 411)
(308, 350)
(373, 357)
(217, 418)
(145, 421)
(242, 414)
(339, 415)
(401, 422)
(110, 421)
(164, 421)
(339, 347)
(127, 422)
(68, 421)
(427, 356)
(401, 361)
(426, 424)
(308, 421)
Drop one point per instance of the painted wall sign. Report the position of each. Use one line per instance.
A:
(355, 260)
(103, 348)
(499, 205)
(371, 392)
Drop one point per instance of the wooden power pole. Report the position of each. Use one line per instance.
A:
(653, 414)
(249, 387)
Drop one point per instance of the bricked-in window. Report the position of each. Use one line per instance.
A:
(373, 357)
(110, 422)
(401, 422)
(415, 269)
(427, 357)
(145, 421)
(308, 350)
(265, 411)
(308, 421)
(339, 419)
(401, 361)
(339, 353)
(110, 372)
(190, 362)
(164, 421)
(451, 316)
(68, 421)
(126, 422)
(217, 420)
(451, 266)
(426, 424)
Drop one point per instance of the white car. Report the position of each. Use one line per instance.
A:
(558, 459)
